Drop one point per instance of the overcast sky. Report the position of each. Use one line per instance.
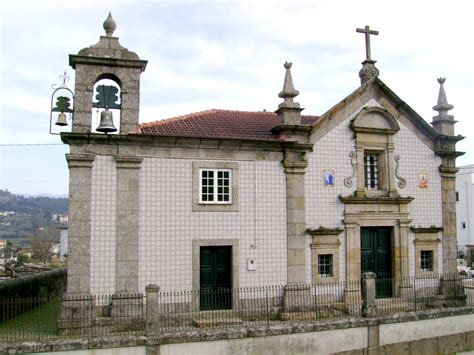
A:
(227, 55)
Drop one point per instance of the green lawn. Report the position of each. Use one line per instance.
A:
(39, 323)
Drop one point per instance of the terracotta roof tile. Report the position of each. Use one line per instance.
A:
(219, 124)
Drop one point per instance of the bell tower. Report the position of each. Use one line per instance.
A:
(110, 63)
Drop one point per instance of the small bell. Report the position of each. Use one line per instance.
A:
(61, 119)
(106, 124)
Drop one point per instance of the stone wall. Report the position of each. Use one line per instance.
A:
(426, 332)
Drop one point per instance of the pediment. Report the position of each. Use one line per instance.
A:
(376, 120)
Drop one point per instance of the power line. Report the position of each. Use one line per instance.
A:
(29, 144)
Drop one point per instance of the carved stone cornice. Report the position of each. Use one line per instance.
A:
(324, 231)
(291, 129)
(128, 162)
(448, 171)
(113, 62)
(74, 138)
(295, 167)
(364, 200)
(80, 160)
(426, 229)
(298, 147)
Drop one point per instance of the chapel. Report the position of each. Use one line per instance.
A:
(223, 199)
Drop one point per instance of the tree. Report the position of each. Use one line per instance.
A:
(22, 258)
(42, 241)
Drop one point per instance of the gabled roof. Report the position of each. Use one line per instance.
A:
(219, 124)
(423, 126)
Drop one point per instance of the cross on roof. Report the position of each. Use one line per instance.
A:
(367, 31)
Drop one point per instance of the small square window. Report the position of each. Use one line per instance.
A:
(325, 265)
(215, 186)
(463, 225)
(426, 260)
(371, 172)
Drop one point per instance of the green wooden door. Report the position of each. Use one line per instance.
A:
(216, 277)
(376, 257)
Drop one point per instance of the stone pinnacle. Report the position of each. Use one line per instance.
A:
(109, 25)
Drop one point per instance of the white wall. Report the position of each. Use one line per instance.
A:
(103, 225)
(168, 225)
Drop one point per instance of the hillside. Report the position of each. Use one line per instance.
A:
(21, 216)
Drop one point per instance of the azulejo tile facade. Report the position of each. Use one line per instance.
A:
(299, 190)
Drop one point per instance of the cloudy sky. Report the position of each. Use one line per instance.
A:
(229, 55)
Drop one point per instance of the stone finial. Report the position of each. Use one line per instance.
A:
(109, 25)
(368, 71)
(442, 106)
(288, 92)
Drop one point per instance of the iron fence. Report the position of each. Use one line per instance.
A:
(256, 305)
(415, 293)
(139, 314)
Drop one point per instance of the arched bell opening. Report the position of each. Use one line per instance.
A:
(106, 105)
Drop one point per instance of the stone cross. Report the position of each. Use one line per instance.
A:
(367, 31)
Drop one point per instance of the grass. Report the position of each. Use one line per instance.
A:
(38, 323)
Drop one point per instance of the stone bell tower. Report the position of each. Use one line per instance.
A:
(107, 60)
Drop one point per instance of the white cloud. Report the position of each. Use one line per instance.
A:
(227, 54)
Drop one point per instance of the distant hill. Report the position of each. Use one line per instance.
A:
(20, 216)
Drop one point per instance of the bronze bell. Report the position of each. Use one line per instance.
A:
(61, 119)
(106, 124)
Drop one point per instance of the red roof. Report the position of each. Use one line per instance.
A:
(219, 124)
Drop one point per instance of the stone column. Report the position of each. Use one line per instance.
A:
(369, 307)
(448, 197)
(152, 310)
(128, 176)
(79, 226)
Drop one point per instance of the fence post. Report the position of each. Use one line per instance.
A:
(369, 307)
(152, 314)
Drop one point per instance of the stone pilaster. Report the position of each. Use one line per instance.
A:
(352, 252)
(128, 181)
(360, 170)
(79, 234)
(295, 136)
(296, 225)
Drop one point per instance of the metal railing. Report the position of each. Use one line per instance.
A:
(415, 293)
(157, 311)
(255, 306)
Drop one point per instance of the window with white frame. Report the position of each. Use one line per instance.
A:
(371, 171)
(215, 186)
(325, 265)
